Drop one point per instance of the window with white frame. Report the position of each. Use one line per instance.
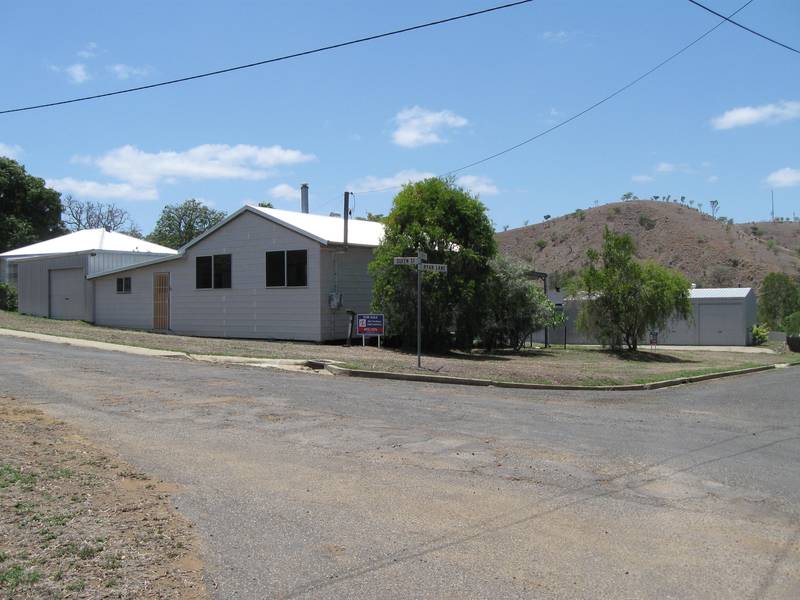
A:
(123, 285)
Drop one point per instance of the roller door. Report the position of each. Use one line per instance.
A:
(67, 289)
(721, 325)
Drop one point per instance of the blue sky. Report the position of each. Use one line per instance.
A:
(720, 122)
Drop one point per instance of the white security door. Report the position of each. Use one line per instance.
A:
(67, 294)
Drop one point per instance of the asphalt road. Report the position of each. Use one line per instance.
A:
(309, 486)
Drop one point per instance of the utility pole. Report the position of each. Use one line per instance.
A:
(419, 307)
(772, 193)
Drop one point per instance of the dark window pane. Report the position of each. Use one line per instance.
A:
(119, 285)
(296, 261)
(203, 271)
(222, 270)
(126, 285)
(276, 271)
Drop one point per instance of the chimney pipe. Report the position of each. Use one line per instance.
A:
(346, 216)
(304, 198)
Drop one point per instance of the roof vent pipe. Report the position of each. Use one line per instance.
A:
(346, 215)
(304, 198)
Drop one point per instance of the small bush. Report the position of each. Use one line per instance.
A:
(541, 244)
(791, 324)
(647, 222)
(8, 297)
(760, 335)
(581, 214)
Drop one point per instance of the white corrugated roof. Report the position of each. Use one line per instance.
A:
(329, 230)
(90, 239)
(719, 292)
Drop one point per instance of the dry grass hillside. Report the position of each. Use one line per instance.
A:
(710, 253)
(782, 233)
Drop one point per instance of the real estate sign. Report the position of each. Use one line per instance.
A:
(370, 325)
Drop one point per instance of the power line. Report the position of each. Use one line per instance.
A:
(753, 31)
(582, 112)
(269, 60)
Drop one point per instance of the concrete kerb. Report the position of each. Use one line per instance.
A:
(327, 366)
(82, 343)
(444, 379)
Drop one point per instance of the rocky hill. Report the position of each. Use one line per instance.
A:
(710, 253)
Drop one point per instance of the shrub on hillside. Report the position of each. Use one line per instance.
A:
(8, 297)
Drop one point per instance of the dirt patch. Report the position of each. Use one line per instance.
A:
(75, 522)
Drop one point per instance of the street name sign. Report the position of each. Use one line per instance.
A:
(434, 267)
(407, 260)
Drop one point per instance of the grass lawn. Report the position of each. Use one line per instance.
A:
(573, 365)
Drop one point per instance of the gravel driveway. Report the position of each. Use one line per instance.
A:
(306, 486)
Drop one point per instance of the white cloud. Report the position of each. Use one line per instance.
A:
(559, 37)
(478, 184)
(417, 126)
(752, 115)
(393, 181)
(77, 73)
(88, 51)
(138, 173)
(207, 161)
(642, 178)
(123, 72)
(786, 177)
(665, 167)
(10, 151)
(284, 191)
(93, 189)
(712, 179)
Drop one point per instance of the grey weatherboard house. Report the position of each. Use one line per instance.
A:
(261, 273)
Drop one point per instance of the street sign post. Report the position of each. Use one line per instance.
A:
(421, 266)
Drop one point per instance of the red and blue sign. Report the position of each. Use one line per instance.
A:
(370, 325)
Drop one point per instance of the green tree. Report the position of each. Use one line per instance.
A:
(451, 226)
(779, 296)
(626, 298)
(515, 307)
(29, 211)
(181, 223)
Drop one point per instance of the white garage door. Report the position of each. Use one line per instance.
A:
(720, 325)
(66, 294)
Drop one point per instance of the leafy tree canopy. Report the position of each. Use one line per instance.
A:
(626, 298)
(452, 227)
(515, 307)
(180, 223)
(30, 212)
(779, 296)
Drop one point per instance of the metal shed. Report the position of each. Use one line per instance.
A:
(720, 317)
(51, 276)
